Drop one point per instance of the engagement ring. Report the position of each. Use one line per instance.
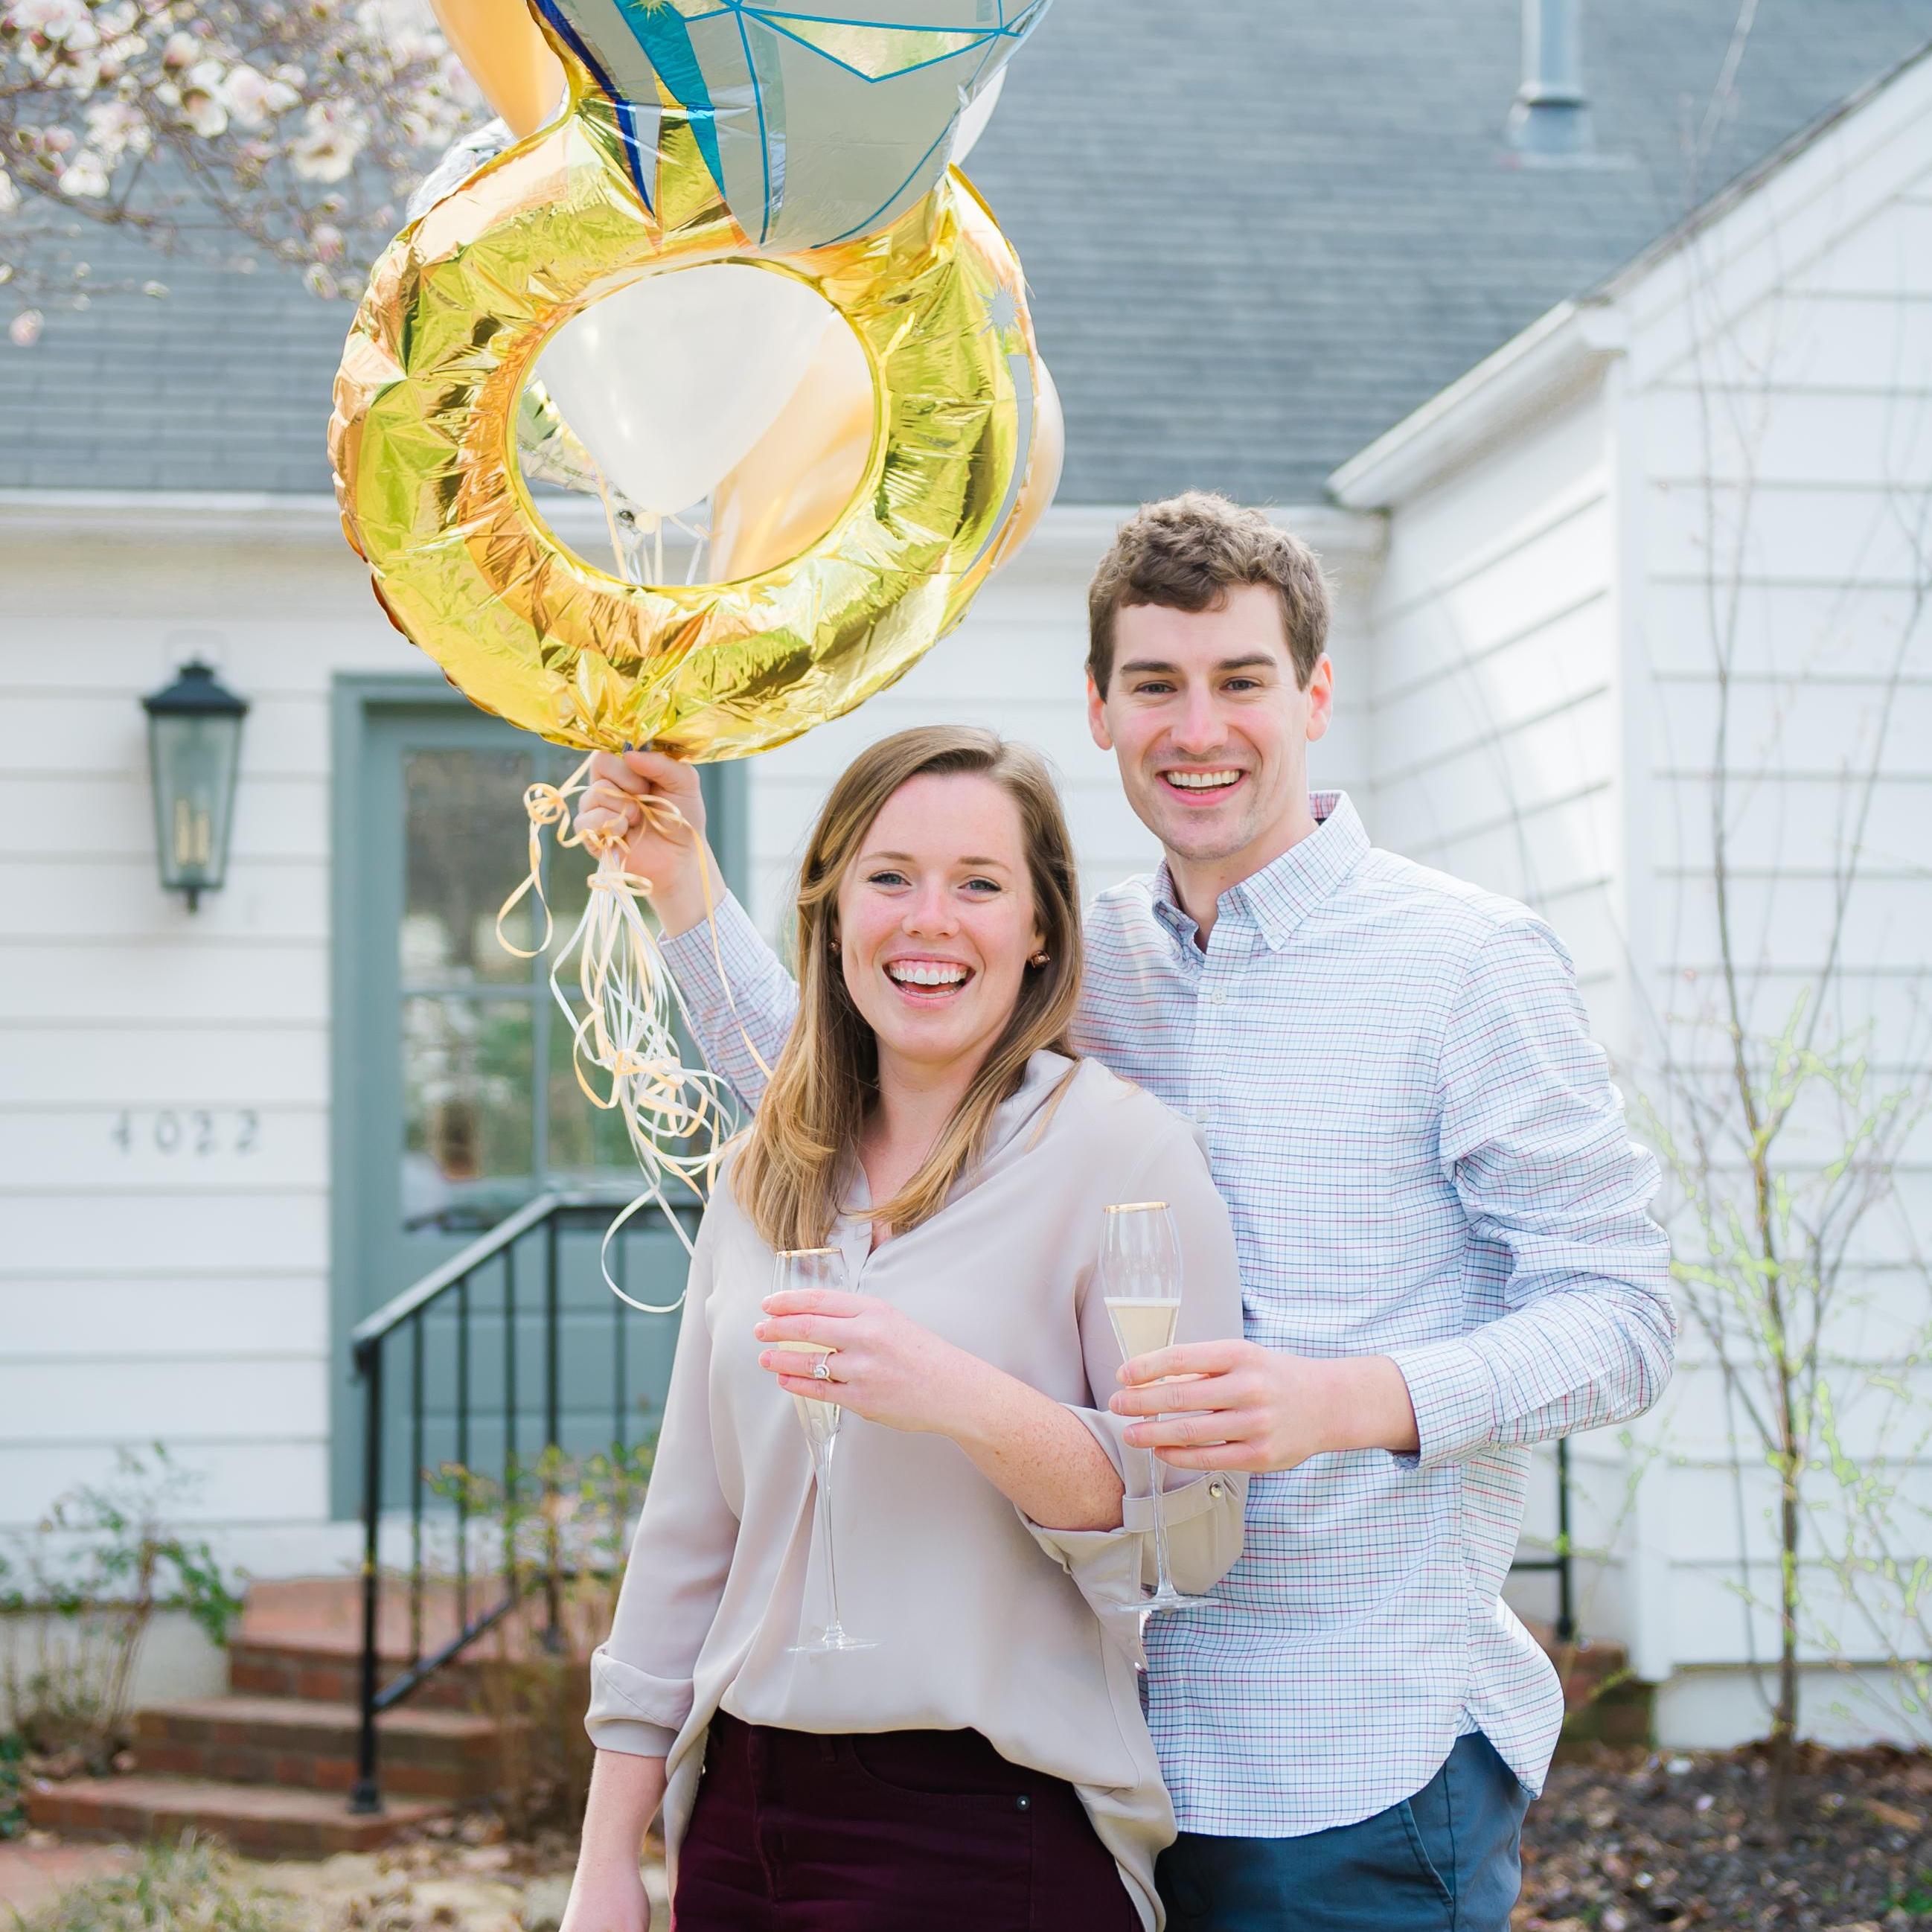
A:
(821, 1369)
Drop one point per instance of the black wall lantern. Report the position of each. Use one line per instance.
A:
(194, 747)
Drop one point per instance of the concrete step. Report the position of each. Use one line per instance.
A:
(259, 1821)
(293, 1743)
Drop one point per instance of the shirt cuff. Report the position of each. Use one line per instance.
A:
(693, 957)
(628, 1707)
(1453, 1395)
(634, 1739)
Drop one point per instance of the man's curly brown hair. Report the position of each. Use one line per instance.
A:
(1187, 554)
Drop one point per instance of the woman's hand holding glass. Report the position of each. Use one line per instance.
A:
(884, 1366)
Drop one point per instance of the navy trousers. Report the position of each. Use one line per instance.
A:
(1447, 1860)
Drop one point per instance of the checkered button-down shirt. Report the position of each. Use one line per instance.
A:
(1424, 1158)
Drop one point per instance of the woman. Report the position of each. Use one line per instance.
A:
(986, 1765)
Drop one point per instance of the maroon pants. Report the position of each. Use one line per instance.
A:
(888, 1831)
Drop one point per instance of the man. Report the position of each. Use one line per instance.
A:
(1444, 1248)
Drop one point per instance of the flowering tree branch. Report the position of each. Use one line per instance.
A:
(296, 127)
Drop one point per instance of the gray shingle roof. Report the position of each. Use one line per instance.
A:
(1257, 232)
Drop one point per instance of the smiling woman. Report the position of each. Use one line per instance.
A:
(938, 939)
(986, 1762)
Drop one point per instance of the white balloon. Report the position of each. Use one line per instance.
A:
(974, 117)
(669, 382)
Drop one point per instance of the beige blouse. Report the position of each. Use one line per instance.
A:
(984, 1620)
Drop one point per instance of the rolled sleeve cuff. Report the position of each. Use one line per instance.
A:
(631, 1711)
(1453, 1395)
(693, 959)
(632, 1739)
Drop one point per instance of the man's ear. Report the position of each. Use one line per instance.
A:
(1096, 715)
(1321, 697)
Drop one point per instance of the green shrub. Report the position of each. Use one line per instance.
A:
(76, 1596)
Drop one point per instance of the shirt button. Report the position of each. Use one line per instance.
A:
(1023, 1803)
(1217, 997)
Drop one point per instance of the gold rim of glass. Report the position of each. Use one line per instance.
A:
(1134, 1207)
(782, 1253)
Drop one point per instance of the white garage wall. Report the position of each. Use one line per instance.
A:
(1781, 410)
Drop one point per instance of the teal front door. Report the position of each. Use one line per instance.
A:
(456, 1102)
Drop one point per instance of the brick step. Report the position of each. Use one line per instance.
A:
(291, 1743)
(328, 1675)
(259, 1821)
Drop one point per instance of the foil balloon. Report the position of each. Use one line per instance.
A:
(508, 58)
(429, 390)
(817, 125)
(791, 483)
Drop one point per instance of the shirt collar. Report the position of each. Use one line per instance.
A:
(1281, 895)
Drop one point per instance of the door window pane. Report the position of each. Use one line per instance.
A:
(468, 1145)
(587, 1142)
(467, 845)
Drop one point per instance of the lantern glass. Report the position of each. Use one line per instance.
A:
(194, 740)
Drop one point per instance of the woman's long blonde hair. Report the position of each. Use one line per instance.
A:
(801, 1147)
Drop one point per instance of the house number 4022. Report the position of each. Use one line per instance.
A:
(193, 1130)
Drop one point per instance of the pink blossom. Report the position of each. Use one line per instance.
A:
(117, 128)
(84, 176)
(24, 331)
(52, 19)
(332, 137)
(251, 97)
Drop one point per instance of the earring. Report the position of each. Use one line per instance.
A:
(1040, 959)
(834, 944)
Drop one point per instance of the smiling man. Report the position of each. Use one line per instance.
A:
(1446, 1253)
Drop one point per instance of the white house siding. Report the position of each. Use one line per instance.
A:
(1495, 736)
(1495, 732)
(1780, 417)
(1748, 413)
(164, 1076)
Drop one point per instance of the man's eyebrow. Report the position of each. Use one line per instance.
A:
(1143, 667)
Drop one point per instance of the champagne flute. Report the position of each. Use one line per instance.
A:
(819, 1267)
(1140, 1279)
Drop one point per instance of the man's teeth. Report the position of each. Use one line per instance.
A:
(1202, 781)
(910, 975)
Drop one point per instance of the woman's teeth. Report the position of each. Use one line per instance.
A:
(1202, 781)
(903, 973)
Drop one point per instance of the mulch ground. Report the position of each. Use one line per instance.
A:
(1621, 1840)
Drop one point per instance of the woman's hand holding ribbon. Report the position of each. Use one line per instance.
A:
(657, 804)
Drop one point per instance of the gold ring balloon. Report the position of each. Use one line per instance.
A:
(423, 440)
(864, 491)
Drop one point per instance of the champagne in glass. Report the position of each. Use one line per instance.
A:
(819, 1267)
(1140, 1282)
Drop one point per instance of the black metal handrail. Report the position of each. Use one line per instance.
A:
(543, 1220)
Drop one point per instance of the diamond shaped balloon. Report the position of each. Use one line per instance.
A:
(819, 123)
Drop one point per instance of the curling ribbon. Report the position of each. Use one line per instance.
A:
(677, 1118)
